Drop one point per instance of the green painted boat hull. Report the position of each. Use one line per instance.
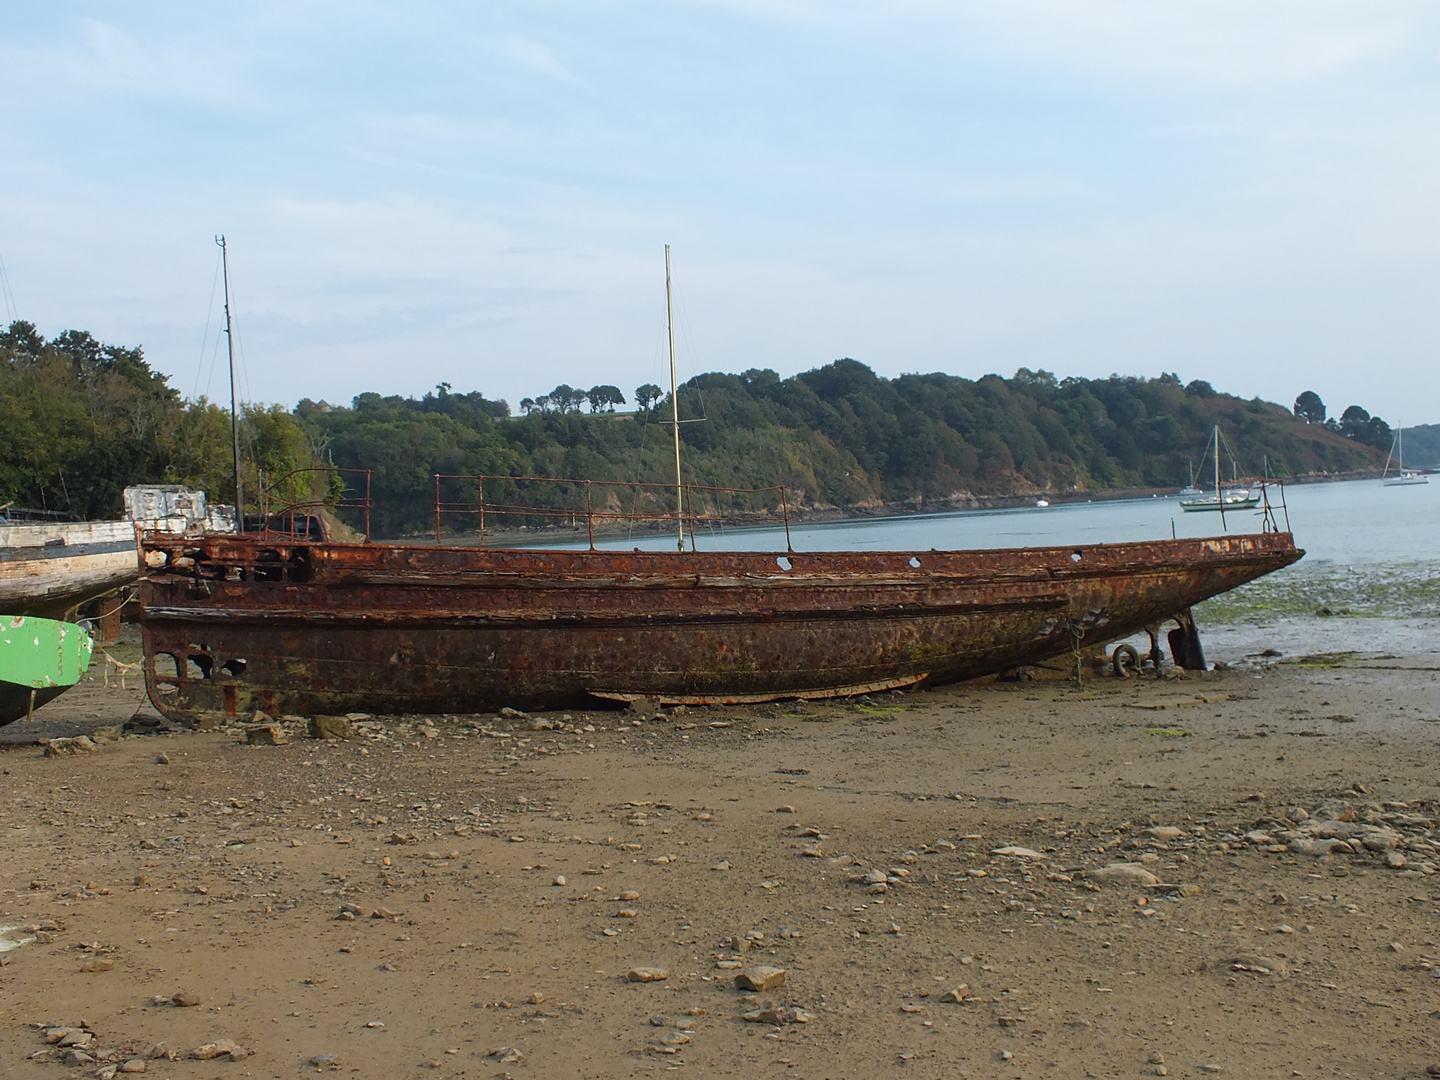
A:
(39, 660)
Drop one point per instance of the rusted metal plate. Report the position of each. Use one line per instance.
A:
(235, 624)
(879, 687)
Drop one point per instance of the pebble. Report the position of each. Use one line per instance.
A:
(505, 1055)
(559, 880)
(321, 1060)
(1019, 852)
(957, 995)
(1394, 860)
(266, 735)
(1157, 1058)
(760, 978)
(187, 999)
(134, 1065)
(787, 809)
(97, 965)
(1166, 832)
(73, 1057)
(647, 974)
(80, 744)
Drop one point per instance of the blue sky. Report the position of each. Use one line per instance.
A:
(479, 193)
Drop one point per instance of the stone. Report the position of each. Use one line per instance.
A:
(320, 1061)
(1394, 860)
(760, 978)
(508, 713)
(134, 1065)
(1127, 874)
(505, 1055)
(97, 965)
(957, 995)
(80, 744)
(1018, 852)
(1322, 847)
(76, 1037)
(1166, 832)
(74, 1056)
(1157, 1058)
(160, 1052)
(559, 880)
(1379, 839)
(647, 974)
(330, 727)
(219, 1048)
(187, 999)
(785, 809)
(266, 735)
(878, 888)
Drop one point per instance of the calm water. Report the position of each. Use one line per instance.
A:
(1372, 559)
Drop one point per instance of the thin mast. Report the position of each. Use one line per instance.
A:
(1219, 495)
(234, 419)
(674, 410)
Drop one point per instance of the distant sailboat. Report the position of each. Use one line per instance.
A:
(1190, 490)
(1235, 498)
(1404, 477)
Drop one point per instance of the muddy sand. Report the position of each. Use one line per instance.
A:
(469, 896)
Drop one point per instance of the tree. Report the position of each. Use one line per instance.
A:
(647, 395)
(1310, 408)
(604, 397)
(1355, 423)
(565, 398)
(1200, 388)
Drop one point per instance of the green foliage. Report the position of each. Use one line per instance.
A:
(1310, 408)
(836, 436)
(81, 420)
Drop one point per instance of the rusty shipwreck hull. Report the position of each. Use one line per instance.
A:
(236, 624)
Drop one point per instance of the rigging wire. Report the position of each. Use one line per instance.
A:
(205, 337)
(12, 310)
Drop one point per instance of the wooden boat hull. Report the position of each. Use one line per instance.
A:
(237, 624)
(48, 570)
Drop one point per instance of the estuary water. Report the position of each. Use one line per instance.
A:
(1369, 582)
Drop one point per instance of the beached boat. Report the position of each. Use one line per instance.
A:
(39, 660)
(49, 569)
(234, 624)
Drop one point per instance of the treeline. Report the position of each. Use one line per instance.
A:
(82, 419)
(837, 436)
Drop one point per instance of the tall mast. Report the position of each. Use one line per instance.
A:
(234, 416)
(674, 410)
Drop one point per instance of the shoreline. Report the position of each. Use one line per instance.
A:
(545, 535)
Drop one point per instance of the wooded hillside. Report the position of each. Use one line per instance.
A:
(81, 419)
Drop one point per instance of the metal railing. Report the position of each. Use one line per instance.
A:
(1268, 521)
(278, 516)
(700, 504)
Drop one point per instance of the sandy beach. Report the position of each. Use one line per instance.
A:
(474, 895)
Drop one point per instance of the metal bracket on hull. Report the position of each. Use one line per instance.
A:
(854, 690)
